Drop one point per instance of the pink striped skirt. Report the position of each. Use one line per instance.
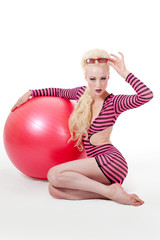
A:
(113, 164)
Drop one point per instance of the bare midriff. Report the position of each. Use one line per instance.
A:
(102, 137)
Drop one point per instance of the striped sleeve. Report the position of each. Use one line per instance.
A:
(70, 93)
(125, 102)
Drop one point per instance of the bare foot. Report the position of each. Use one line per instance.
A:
(119, 195)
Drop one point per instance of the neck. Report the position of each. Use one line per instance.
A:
(100, 98)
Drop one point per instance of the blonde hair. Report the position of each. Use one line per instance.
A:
(80, 118)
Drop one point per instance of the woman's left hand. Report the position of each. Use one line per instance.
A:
(118, 64)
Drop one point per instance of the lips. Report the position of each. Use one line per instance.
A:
(98, 90)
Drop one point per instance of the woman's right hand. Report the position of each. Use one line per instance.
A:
(22, 100)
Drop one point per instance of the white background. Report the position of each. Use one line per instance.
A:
(41, 45)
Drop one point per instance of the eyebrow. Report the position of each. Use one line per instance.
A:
(95, 77)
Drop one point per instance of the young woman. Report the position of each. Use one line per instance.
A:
(91, 122)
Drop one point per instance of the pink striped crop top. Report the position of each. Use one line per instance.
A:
(113, 106)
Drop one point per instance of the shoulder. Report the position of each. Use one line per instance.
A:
(109, 97)
(108, 102)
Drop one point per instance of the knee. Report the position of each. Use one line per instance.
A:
(52, 176)
(49, 174)
(52, 191)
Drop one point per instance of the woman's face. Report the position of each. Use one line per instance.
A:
(97, 77)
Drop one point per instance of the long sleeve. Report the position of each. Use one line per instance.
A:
(125, 102)
(70, 93)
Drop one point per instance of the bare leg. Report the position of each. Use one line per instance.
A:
(73, 194)
(74, 180)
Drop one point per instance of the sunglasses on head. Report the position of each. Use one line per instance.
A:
(100, 60)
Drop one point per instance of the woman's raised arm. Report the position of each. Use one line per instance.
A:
(123, 102)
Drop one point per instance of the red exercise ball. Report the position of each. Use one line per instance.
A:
(36, 135)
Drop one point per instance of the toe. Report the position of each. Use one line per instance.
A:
(137, 204)
(139, 200)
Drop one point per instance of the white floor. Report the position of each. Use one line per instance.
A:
(27, 211)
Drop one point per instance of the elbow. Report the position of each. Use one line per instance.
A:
(146, 98)
(151, 95)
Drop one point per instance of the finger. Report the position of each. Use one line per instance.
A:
(111, 59)
(13, 107)
(17, 104)
(20, 101)
(112, 65)
(121, 54)
(115, 56)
